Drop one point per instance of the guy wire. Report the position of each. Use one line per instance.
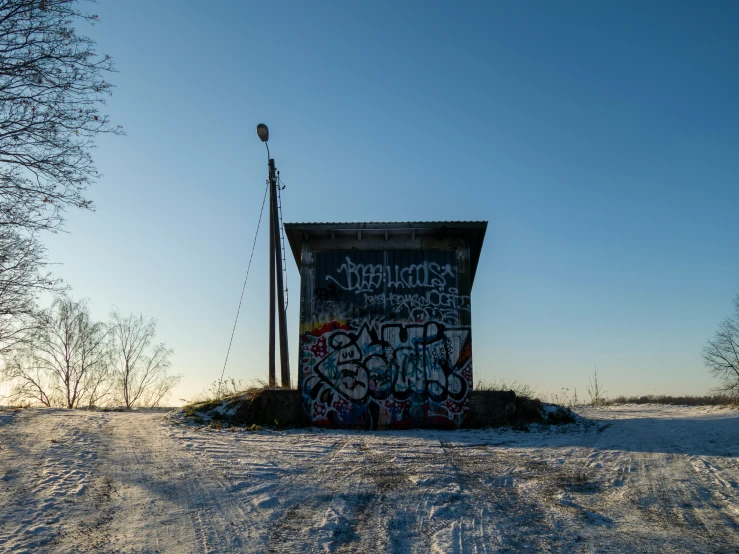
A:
(243, 288)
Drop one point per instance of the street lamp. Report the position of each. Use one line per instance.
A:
(263, 132)
(275, 273)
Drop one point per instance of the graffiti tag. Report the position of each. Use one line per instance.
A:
(362, 278)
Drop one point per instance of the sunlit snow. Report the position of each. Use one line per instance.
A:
(625, 479)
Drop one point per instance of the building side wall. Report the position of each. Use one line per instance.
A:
(385, 338)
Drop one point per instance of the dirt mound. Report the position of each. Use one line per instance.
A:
(498, 408)
(253, 407)
(532, 410)
(283, 407)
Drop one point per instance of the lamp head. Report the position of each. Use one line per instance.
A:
(263, 132)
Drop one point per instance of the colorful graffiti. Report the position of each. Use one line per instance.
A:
(383, 344)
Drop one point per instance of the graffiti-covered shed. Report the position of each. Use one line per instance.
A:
(385, 321)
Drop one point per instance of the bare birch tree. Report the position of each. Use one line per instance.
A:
(141, 368)
(66, 360)
(721, 354)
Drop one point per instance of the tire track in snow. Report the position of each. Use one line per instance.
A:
(282, 484)
(385, 518)
(166, 495)
(656, 496)
(322, 513)
(499, 511)
(60, 478)
(672, 497)
(375, 513)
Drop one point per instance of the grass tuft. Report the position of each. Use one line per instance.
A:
(522, 390)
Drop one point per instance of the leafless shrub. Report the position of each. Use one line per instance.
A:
(565, 398)
(597, 395)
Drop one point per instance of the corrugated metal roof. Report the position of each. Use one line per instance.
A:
(401, 223)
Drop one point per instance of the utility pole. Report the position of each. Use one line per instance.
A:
(272, 245)
(284, 361)
(275, 276)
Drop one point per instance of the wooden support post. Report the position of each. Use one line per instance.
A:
(277, 269)
(272, 380)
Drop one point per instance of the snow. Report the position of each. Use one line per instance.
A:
(622, 479)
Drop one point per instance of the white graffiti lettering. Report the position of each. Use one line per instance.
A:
(434, 304)
(366, 278)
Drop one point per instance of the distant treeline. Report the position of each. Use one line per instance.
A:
(710, 400)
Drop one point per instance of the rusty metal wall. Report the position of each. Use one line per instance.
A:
(385, 338)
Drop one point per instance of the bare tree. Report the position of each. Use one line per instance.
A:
(22, 278)
(29, 383)
(141, 368)
(721, 354)
(65, 359)
(51, 89)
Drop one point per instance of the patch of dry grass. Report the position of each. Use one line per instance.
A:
(522, 390)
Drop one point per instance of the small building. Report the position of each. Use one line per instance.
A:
(385, 322)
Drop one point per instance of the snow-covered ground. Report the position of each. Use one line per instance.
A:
(630, 479)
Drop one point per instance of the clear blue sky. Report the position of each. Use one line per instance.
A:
(600, 140)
